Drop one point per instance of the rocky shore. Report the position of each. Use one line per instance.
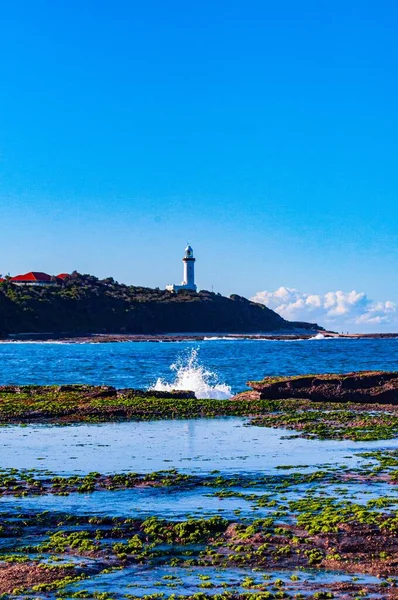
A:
(317, 529)
(358, 406)
(365, 387)
(105, 338)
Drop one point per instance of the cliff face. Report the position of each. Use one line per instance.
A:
(84, 304)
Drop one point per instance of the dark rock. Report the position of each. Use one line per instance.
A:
(247, 396)
(90, 391)
(74, 387)
(95, 391)
(363, 386)
(135, 393)
(10, 389)
(35, 390)
(105, 391)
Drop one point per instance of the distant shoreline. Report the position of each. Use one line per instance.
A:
(184, 337)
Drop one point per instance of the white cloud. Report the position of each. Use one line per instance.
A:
(332, 310)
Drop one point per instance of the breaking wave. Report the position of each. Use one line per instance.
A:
(318, 336)
(193, 376)
(215, 338)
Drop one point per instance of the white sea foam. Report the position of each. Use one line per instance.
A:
(30, 342)
(192, 375)
(229, 338)
(318, 336)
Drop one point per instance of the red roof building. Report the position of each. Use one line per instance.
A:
(34, 278)
(63, 276)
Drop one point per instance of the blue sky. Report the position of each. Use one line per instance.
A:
(262, 132)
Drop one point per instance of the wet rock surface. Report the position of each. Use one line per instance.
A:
(15, 577)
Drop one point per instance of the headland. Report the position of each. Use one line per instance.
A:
(82, 305)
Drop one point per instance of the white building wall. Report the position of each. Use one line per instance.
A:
(189, 272)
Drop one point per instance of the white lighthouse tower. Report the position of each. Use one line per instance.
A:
(189, 273)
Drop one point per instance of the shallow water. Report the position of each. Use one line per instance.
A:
(199, 502)
(200, 445)
(137, 503)
(191, 446)
(140, 580)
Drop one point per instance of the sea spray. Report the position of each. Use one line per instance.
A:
(192, 375)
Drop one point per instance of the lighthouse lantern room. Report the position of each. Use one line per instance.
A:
(189, 273)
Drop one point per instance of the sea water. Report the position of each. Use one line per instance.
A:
(213, 367)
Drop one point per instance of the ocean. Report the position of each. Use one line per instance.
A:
(213, 368)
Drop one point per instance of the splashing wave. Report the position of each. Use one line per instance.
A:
(192, 375)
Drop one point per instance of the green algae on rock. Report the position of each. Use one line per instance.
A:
(323, 420)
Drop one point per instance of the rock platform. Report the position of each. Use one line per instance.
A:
(379, 387)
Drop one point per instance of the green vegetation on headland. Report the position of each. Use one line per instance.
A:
(83, 304)
(322, 420)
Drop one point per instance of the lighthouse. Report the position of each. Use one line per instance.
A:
(188, 282)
